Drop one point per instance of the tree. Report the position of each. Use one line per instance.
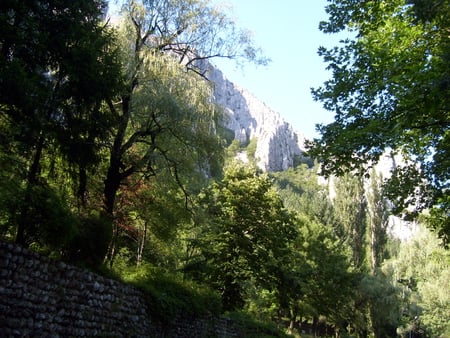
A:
(331, 249)
(422, 270)
(383, 301)
(350, 207)
(390, 92)
(57, 65)
(151, 216)
(168, 134)
(317, 279)
(378, 221)
(302, 193)
(246, 235)
(166, 121)
(381, 291)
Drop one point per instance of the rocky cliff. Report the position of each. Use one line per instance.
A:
(279, 146)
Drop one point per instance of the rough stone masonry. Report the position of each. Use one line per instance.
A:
(40, 297)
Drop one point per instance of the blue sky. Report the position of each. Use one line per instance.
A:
(287, 31)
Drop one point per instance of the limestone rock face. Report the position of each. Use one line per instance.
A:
(278, 144)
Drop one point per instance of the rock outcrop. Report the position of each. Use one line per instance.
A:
(279, 146)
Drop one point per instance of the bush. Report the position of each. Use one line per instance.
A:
(49, 223)
(252, 328)
(90, 244)
(168, 294)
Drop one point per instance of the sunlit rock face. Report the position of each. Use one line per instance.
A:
(279, 146)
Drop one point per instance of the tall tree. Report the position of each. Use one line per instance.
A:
(317, 279)
(57, 64)
(167, 122)
(384, 306)
(378, 218)
(390, 91)
(247, 233)
(350, 207)
(381, 290)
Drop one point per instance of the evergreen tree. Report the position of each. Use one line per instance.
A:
(57, 65)
(350, 207)
(378, 222)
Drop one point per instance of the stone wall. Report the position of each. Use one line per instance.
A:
(40, 297)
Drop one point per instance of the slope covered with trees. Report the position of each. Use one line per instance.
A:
(111, 157)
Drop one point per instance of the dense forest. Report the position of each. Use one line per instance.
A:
(113, 156)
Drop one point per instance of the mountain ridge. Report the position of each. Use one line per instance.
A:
(279, 145)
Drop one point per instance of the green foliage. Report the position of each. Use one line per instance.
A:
(383, 299)
(422, 271)
(52, 85)
(301, 193)
(246, 233)
(49, 223)
(51, 91)
(390, 92)
(262, 304)
(351, 210)
(233, 149)
(170, 294)
(90, 244)
(322, 264)
(249, 327)
(10, 194)
(318, 260)
(377, 222)
(251, 149)
(151, 216)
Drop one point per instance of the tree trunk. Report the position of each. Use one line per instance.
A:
(315, 326)
(141, 245)
(114, 176)
(337, 332)
(112, 185)
(23, 218)
(82, 187)
(292, 321)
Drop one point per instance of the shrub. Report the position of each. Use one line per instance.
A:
(252, 328)
(168, 294)
(90, 244)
